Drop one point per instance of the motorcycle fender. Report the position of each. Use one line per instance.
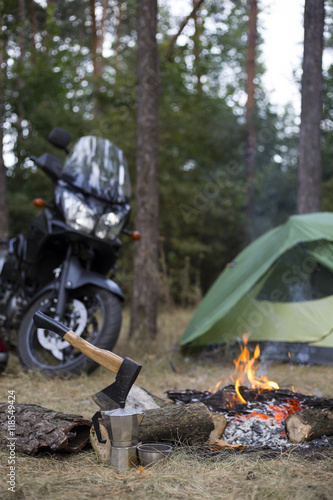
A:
(78, 277)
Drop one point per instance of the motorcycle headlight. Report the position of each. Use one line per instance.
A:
(110, 225)
(78, 214)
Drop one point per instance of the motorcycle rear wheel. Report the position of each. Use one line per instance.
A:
(92, 313)
(3, 355)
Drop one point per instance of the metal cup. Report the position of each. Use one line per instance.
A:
(152, 452)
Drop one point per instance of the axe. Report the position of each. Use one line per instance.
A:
(127, 370)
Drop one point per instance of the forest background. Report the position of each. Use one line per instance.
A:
(72, 64)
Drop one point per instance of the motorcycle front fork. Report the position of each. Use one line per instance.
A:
(62, 290)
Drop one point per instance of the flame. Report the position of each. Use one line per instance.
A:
(216, 388)
(246, 368)
(239, 396)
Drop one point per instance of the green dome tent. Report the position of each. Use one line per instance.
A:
(279, 289)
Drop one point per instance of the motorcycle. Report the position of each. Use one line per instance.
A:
(61, 266)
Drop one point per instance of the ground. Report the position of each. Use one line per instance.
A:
(189, 472)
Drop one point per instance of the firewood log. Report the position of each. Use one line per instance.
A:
(220, 423)
(190, 424)
(34, 429)
(103, 450)
(309, 424)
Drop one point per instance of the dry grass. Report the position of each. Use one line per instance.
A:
(184, 475)
(188, 473)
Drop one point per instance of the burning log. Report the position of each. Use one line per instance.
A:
(40, 429)
(224, 399)
(309, 424)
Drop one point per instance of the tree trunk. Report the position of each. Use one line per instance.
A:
(310, 168)
(251, 140)
(4, 223)
(32, 23)
(22, 45)
(119, 22)
(309, 424)
(145, 286)
(94, 42)
(96, 52)
(198, 24)
(40, 429)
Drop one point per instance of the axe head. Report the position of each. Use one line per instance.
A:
(114, 396)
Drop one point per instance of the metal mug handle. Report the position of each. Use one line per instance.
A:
(95, 420)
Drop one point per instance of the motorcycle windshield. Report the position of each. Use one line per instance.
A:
(98, 167)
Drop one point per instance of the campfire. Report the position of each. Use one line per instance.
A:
(261, 415)
(251, 412)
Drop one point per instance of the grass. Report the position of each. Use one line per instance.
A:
(189, 472)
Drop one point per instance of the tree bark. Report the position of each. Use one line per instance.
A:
(251, 139)
(4, 216)
(32, 23)
(309, 424)
(39, 429)
(4, 224)
(198, 24)
(119, 22)
(190, 424)
(145, 286)
(20, 82)
(97, 33)
(97, 37)
(310, 167)
(94, 42)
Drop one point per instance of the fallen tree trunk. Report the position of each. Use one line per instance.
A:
(33, 428)
(187, 424)
(309, 424)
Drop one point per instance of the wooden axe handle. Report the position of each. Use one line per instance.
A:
(101, 356)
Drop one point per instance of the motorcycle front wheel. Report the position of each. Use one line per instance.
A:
(92, 313)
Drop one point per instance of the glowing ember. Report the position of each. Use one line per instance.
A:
(279, 413)
(289, 407)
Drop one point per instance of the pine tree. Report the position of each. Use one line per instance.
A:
(145, 286)
(310, 163)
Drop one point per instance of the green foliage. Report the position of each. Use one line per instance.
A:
(201, 180)
(202, 131)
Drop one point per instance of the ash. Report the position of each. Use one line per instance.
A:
(253, 430)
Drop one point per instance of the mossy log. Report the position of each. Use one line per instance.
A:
(309, 424)
(34, 429)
